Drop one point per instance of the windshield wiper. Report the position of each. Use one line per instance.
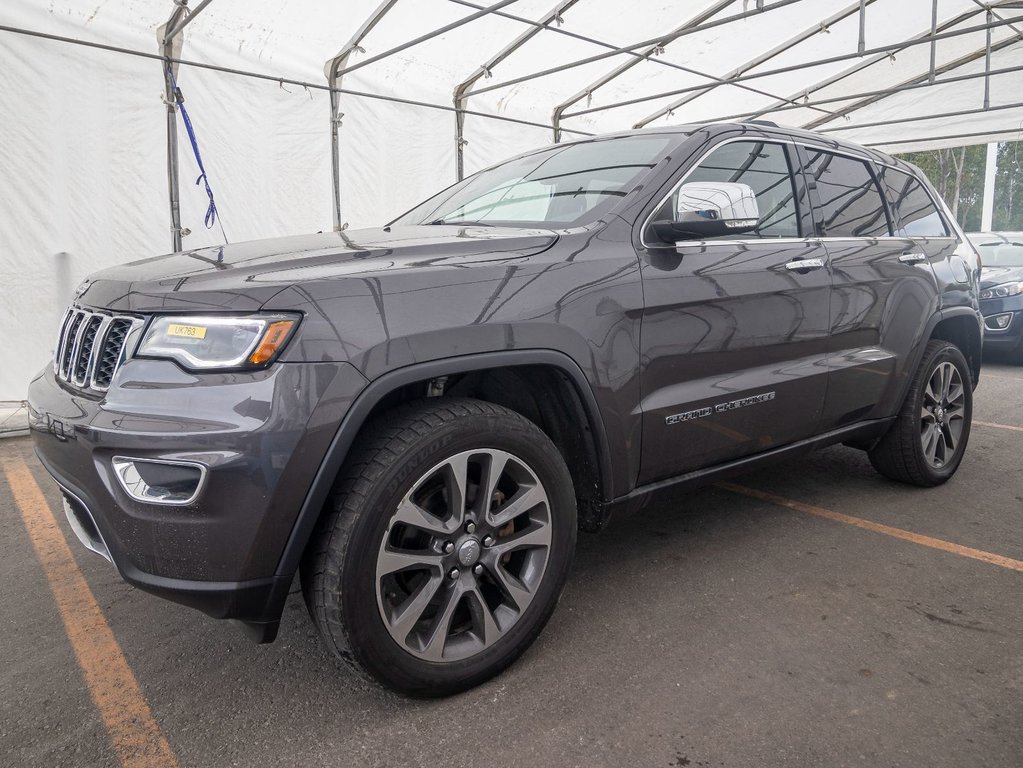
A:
(437, 222)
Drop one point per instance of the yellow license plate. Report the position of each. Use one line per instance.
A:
(188, 331)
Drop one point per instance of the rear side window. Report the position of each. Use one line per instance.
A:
(851, 201)
(765, 168)
(914, 208)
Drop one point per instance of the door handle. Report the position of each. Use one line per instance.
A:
(800, 265)
(912, 257)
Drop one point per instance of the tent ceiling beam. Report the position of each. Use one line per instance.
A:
(810, 32)
(924, 80)
(626, 66)
(460, 96)
(885, 94)
(797, 67)
(635, 56)
(1010, 130)
(860, 66)
(428, 36)
(641, 44)
(923, 118)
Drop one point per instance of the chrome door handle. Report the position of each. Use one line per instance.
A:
(804, 264)
(912, 257)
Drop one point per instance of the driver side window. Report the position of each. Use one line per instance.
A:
(764, 167)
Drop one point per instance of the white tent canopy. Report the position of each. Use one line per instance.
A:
(83, 144)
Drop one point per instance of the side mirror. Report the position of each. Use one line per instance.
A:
(710, 209)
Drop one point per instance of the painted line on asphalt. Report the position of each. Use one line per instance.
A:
(870, 525)
(997, 426)
(136, 737)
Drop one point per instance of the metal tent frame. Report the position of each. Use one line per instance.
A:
(831, 109)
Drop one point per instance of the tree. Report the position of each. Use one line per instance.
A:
(1009, 188)
(958, 175)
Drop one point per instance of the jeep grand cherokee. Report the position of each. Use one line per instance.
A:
(417, 418)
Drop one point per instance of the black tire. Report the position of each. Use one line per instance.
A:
(391, 460)
(901, 454)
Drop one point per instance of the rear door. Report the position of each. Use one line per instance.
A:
(883, 287)
(734, 333)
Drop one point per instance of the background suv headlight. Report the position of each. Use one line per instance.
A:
(216, 342)
(1002, 291)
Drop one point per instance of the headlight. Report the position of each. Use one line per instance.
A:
(213, 342)
(1002, 291)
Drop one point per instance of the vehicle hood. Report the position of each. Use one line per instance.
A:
(244, 276)
(990, 276)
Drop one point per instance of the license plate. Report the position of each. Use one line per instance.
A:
(188, 331)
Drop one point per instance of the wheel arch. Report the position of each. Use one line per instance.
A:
(386, 389)
(962, 327)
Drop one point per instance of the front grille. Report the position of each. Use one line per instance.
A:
(90, 348)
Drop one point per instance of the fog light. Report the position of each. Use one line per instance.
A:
(159, 481)
(998, 322)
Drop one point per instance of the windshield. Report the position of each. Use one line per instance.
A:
(999, 250)
(565, 186)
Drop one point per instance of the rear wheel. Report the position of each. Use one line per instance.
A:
(447, 545)
(926, 443)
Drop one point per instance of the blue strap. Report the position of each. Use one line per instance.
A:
(211, 212)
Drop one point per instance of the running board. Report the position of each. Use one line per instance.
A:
(863, 433)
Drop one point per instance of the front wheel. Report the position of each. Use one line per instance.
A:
(926, 443)
(446, 546)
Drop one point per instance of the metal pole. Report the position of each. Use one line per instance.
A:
(332, 69)
(990, 174)
(461, 90)
(934, 31)
(167, 45)
(861, 46)
(987, 65)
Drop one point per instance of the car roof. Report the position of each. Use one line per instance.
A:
(763, 129)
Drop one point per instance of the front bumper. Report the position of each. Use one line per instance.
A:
(261, 437)
(1011, 337)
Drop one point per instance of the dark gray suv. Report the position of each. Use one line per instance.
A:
(418, 418)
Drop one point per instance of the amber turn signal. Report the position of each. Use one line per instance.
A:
(274, 338)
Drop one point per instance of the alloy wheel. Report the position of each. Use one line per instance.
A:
(942, 414)
(463, 555)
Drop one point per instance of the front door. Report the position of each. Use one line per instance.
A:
(734, 332)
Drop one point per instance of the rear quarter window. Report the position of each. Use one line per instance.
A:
(914, 209)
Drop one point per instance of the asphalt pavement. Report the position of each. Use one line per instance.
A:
(814, 614)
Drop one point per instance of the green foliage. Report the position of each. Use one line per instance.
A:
(1009, 188)
(958, 175)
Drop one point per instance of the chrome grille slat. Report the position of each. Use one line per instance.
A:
(58, 353)
(69, 346)
(91, 347)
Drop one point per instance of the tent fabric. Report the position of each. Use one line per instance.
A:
(83, 145)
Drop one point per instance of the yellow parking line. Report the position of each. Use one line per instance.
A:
(115, 691)
(869, 525)
(997, 426)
